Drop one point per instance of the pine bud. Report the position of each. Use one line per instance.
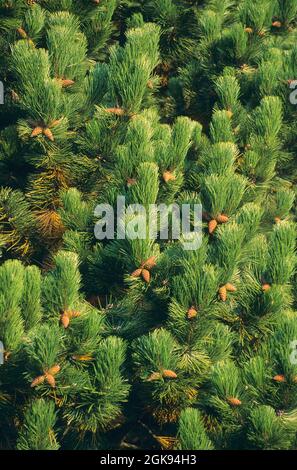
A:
(146, 275)
(248, 30)
(233, 401)
(192, 313)
(279, 378)
(54, 370)
(266, 287)
(168, 176)
(48, 134)
(65, 320)
(223, 293)
(36, 131)
(154, 376)
(131, 181)
(50, 380)
(149, 263)
(116, 111)
(212, 225)
(39, 380)
(137, 272)
(169, 374)
(276, 24)
(230, 287)
(67, 82)
(222, 219)
(22, 33)
(229, 113)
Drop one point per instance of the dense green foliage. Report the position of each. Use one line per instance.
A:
(139, 343)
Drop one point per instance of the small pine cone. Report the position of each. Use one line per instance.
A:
(230, 287)
(168, 176)
(54, 370)
(146, 275)
(50, 380)
(223, 293)
(192, 313)
(22, 33)
(233, 401)
(279, 378)
(222, 219)
(154, 376)
(149, 263)
(131, 181)
(169, 374)
(115, 111)
(39, 380)
(65, 320)
(137, 272)
(248, 30)
(67, 82)
(36, 131)
(212, 225)
(48, 134)
(266, 287)
(276, 24)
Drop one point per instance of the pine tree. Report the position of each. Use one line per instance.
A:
(52, 105)
(138, 342)
(58, 351)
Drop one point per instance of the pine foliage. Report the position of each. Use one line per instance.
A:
(128, 342)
